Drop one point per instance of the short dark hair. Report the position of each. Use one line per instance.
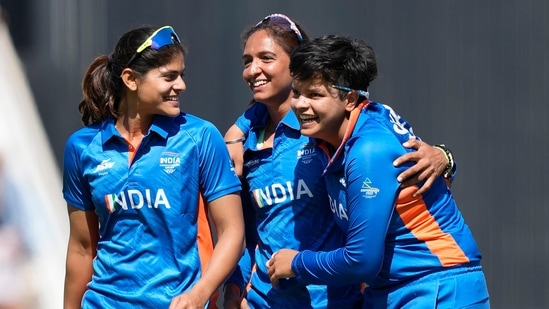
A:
(336, 59)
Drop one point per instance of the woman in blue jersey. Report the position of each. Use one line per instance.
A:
(286, 205)
(412, 251)
(139, 178)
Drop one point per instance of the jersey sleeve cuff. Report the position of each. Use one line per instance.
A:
(298, 266)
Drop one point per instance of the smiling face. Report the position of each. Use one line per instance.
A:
(266, 69)
(320, 110)
(158, 90)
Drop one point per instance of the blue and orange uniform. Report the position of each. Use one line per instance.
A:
(288, 202)
(150, 206)
(413, 252)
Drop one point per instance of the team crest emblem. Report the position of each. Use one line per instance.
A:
(169, 161)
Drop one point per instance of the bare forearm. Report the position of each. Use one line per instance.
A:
(78, 274)
(228, 251)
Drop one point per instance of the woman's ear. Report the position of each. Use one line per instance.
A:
(351, 100)
(129, 78)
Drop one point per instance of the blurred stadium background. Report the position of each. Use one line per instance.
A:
(471, 74)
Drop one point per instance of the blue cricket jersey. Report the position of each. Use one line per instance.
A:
(288, 202)
(392, 237)
(147, 205)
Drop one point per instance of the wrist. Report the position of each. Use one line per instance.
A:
(447, 173)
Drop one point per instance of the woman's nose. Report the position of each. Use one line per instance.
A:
(180, 84)
(298, 102)
(255, 68)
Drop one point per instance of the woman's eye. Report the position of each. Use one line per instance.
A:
(246, 62)
(172, 77)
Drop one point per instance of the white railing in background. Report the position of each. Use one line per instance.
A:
(30, 167)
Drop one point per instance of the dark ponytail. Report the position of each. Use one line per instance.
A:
(101, 92)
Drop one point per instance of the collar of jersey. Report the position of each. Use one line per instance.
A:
(348, 132)
(160, 126)
(290, 119)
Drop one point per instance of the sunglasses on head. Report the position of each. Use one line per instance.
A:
(282, 21)
(363, 93)
(162, 37)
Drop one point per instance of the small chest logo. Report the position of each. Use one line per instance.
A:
(306, 154)
(252, 163)
(170, 161)
(102, 167)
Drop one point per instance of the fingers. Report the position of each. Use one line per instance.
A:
(426, 176)
(429, 164)
(410, 181)
(273, 277)
(421, 170)
(411, 156)
(408, 157)
(270, 261)
(426, 186)
(413, 143)
(271, 271)
(408, 174)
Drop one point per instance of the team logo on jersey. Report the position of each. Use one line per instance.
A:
(169, 161)
(399, 125)
(368, 190)
(338, 209)
(306, 153)
(103, 166)
(280, 192)
(136, 199)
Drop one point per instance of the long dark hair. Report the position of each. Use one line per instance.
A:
(102, 87)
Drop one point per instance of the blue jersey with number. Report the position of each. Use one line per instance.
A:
(289, 204)
(147, 205)
(392, 237)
